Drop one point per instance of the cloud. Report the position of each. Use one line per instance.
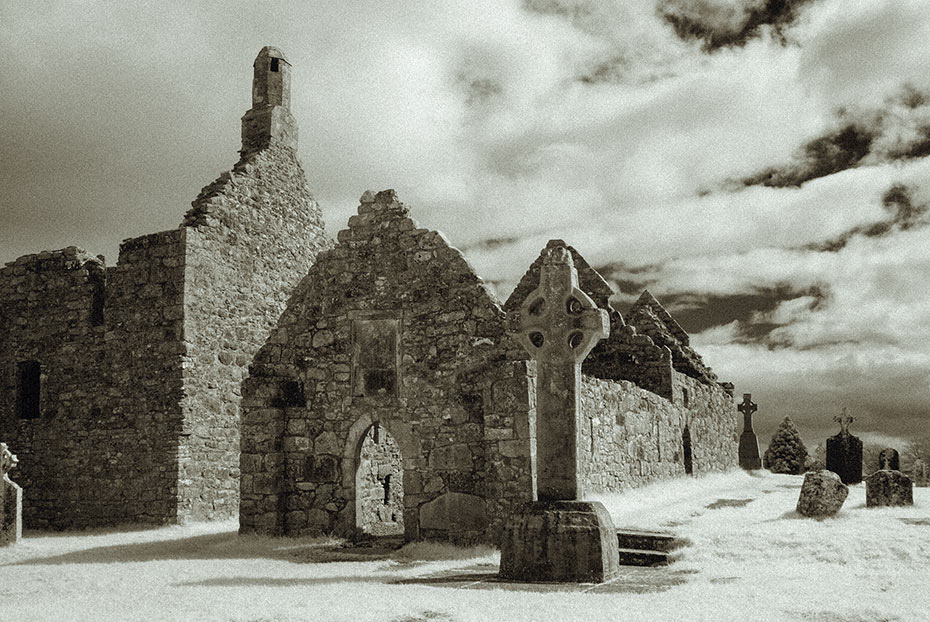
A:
(721, 23)
(899, 130)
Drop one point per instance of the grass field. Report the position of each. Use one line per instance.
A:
(750, 557)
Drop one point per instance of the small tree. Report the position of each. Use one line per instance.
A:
(786, 452)
(915, 460)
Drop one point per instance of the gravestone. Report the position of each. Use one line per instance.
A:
(11, 500)
(844, 452)
(748, 443)
(557, 536)
(822, 494)
(889, 459)
(887, 487)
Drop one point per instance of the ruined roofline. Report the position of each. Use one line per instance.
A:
(648, 301)
(76, 255)
(385, 204)
(590, 282)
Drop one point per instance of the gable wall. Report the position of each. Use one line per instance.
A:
(446, 416)
(251, 235)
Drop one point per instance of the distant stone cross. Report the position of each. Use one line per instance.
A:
(844, 420)
(559, 324)
(748, 407)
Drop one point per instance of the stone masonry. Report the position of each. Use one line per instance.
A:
(120, 386)
(393, 328)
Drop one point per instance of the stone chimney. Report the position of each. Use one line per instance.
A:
(269, 121)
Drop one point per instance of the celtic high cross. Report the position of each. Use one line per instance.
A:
(559, 325)
(748, 407)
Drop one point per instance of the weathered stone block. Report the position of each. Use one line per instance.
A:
(454, 512)
(822, 494)
(566, 541)
(887, 487)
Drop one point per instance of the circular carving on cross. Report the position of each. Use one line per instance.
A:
(558, 321)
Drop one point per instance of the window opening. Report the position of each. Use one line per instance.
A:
(29, 387)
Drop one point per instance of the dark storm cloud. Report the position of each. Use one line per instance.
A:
(904, 212)
(719, 25)
(840, 150)
(900, 130)
(697, 312)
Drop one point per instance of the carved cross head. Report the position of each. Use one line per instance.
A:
(844, 420)
(748, 406)
(558, 321)
(7, 459)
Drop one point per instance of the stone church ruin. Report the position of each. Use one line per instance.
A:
(367, 385)
(392, 330)
(119, 385)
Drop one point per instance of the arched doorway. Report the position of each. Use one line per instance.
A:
(686, 450)
(379, 484)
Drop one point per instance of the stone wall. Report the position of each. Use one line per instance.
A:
(101, 451)
(251, 236)
(632, 436)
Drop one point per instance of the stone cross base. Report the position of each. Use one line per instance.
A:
(11, 512)
(749, 451)
(564, 541)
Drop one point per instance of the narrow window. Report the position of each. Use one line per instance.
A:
(387, 489)
(685, 397)
(98, 294)
(274, 64)
(28, 388)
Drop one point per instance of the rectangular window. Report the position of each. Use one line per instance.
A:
(375, 357)
(274, 64)
(28, 385)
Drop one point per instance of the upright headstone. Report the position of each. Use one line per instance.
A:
(889, 459)
(887, 487)
(748, 443)
(844, 452)
(11, 500)
(558, 537)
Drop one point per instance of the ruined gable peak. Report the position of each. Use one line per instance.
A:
(589, 280)
(647, 303)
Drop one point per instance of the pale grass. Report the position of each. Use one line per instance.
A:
(750, 557)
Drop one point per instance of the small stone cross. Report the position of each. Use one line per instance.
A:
(559, 325)
(748, 407)
(7, 460)
(844, 420)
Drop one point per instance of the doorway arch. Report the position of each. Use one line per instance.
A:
(686, 450)
(379, 483)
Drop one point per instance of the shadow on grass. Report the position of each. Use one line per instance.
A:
(232, 545)
(224, 545)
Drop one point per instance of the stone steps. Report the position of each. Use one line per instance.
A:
(646, 548)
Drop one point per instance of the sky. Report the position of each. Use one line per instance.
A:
(761, 166)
